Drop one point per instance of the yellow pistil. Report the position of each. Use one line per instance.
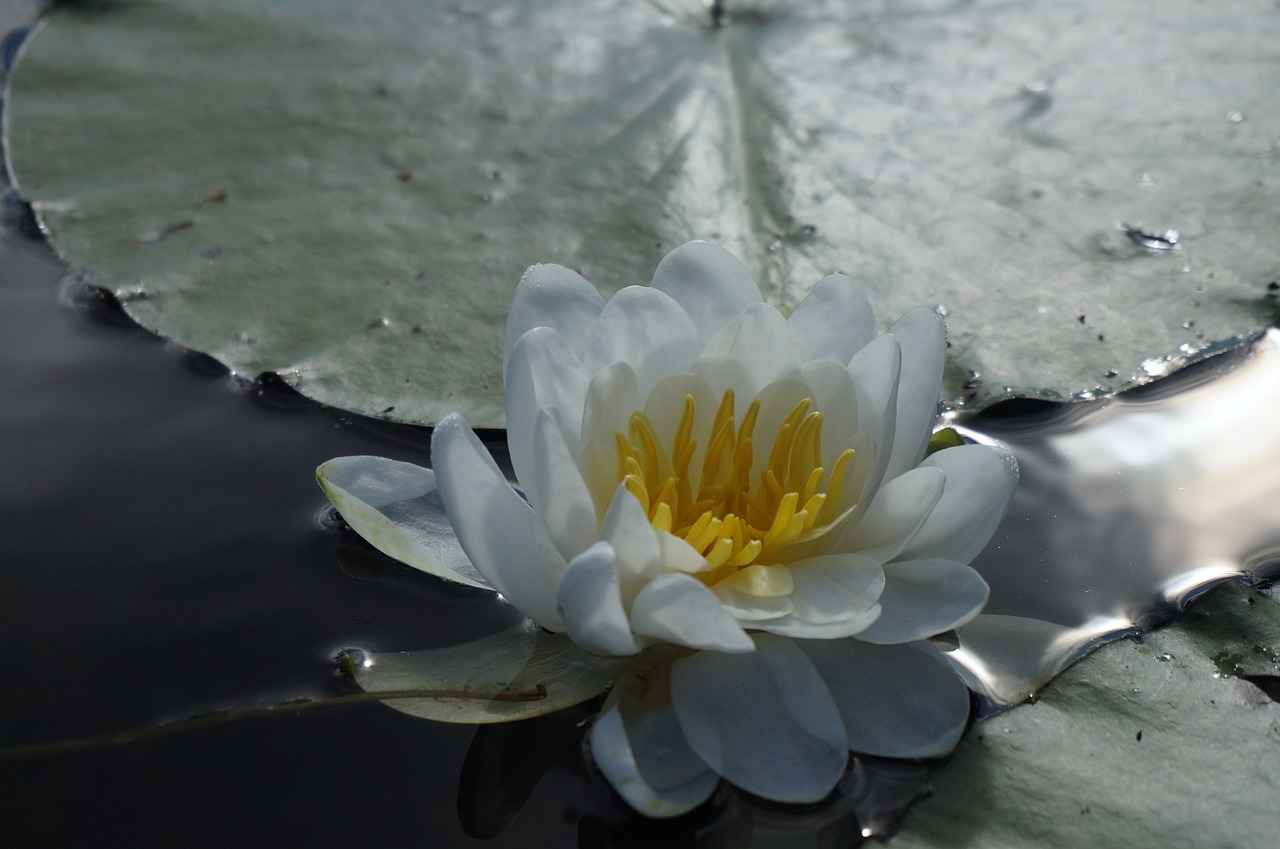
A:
(738, 524)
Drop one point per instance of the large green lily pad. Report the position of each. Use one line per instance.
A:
(1172, 741)
(347, 196)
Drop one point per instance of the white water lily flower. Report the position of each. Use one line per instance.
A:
(738, 498)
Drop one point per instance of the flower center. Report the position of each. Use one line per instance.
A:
(738, 521)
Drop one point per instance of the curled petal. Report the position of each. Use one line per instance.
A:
(634, 541)
(875, 370)
(708, 282)
(646, 329)
(499, 531)
(794, 626)
(558, 492)
(925, 597)
(895, 515)
(542, 373)
(764, 720)
(396, 508)
(590, 604)
(834, 321)
(900, 701)
(552, 296)
(835, 588)
(678, 609)
(747, 354)
(981, 480)
(638, 745)
(923, 338)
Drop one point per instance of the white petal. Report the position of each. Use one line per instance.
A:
(923, 338)
(395, 507)
(836, 398)
(835, 588)
(676, 555)
(896, 701)
(636, 740)
(981, 480)
(750, 609)
(793, 626)
(665, 405)
(765, 720)
(634, 542)
(925, 597)
(498, 530)
(542, 373)
(552, 296)
(834, 321)
(750, 352)
(777, 400)
(590, 604)
(678, 609)
(875, 370)
(708, 282)
(898, 510)
(612, 397)
(557, 491)
(646, 328)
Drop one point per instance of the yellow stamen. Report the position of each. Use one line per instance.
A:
(738, 520)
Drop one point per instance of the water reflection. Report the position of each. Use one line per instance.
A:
(1127, 508)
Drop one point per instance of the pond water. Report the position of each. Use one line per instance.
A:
(169, 557)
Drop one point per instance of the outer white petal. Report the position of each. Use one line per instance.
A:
(502, 535)
(708, 282)
(552, 296)
(923, 338)
(749, 609)
(646, 328)
(590, 604)
(641, 750)
(764, 720)
(750, 352)
(835, 588)
(557, 491)
(543, 372)
(898, 510)
(678, 609)
(981, 480)
(925, 597)
(896, 701)
(875, 370)
(834, 321)
(634, 541)
(395, 507)
(793, 626)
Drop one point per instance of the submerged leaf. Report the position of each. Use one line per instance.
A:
(349, 199)
(514, 674)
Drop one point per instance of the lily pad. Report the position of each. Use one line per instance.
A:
(348, 198)
(1168, 741)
